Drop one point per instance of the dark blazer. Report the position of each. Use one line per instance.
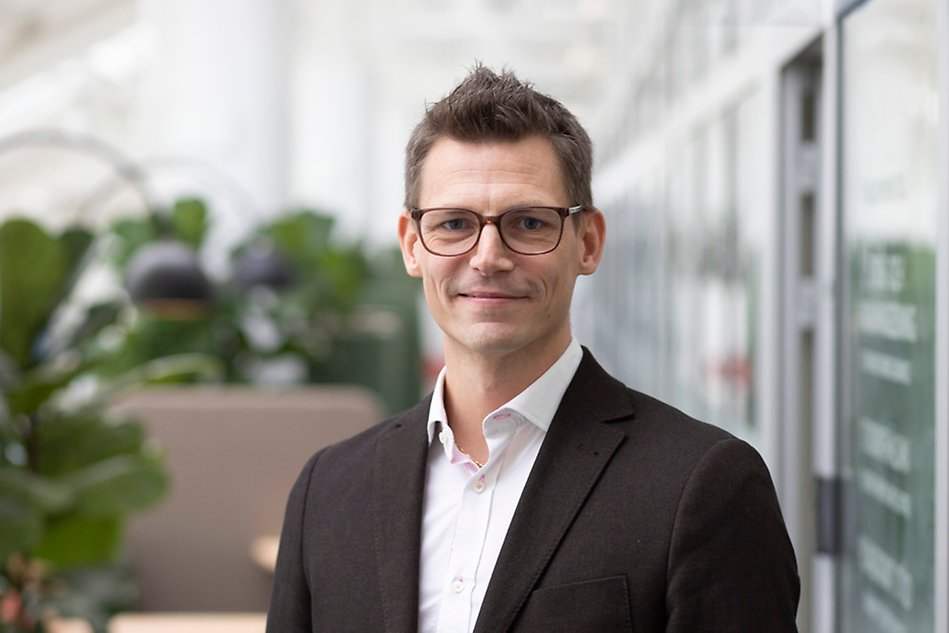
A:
(635, 517)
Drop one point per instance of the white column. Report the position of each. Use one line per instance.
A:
(217, 92)
(334, 116)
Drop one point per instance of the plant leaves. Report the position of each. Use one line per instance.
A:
(72, 540)
(38, 385)
(34, 269)
(189, 220)
(167, 369)
(21, 526)
(67, 444)
(301, 237)
(97, 318)
(10, 432)
(76, 241)
(128, 235)
(119, 485)
(347, 272)
(41, 493)
(9, 373)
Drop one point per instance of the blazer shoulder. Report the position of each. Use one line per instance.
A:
(597, 394)
(653, 411)
(359, 449)
(651, 424)
(674, 440)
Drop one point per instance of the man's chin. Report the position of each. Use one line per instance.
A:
(496, 340)
(489, 340)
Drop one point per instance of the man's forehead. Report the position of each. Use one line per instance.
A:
(530, 161)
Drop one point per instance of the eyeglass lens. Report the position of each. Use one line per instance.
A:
(527, 231)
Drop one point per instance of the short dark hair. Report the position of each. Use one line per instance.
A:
(488, 107)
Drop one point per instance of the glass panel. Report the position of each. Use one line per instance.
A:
(717, 230)
(726, 363)
(678, 292)
(686, 194)
(629, 284)
(889, 186)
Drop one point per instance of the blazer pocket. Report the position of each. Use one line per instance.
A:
(597, 606)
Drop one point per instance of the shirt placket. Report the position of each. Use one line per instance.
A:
(470, 533)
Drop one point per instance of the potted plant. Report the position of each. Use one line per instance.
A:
(70, 472)
(299, 305)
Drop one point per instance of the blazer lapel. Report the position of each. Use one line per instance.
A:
(397, 494)
(577, 448)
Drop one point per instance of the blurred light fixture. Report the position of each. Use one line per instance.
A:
(261, 265)
(165, 277)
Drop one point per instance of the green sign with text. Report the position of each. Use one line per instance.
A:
(889, 178)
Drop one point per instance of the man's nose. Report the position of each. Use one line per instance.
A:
(491, 254)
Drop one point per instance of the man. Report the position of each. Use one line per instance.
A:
(531, 491)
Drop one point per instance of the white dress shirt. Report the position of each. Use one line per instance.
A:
(468, 509)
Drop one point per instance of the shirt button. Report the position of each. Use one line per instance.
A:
(479, 486)
(457, 585)
(442, 437)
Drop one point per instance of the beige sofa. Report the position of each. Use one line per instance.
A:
(233, 454)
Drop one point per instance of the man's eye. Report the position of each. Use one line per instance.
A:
(455, 224)
(531, 224)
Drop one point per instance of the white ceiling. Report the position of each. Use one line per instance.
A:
(23, 22)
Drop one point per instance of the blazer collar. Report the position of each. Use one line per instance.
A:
(577, 448)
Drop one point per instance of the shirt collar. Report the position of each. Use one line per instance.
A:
(436, 411)
(538, 403)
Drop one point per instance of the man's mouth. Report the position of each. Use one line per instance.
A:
(487, 294)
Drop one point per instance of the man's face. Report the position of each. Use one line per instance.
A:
(493, 301)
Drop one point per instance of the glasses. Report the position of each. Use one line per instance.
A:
(524, 230)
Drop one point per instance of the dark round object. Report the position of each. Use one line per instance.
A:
(167, 271)
(262, 267)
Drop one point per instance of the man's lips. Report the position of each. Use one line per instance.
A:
(491, 296)
(488, 294)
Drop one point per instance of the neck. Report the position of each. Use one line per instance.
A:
(477, 384)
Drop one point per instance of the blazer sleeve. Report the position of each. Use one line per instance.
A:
(731, 564)
(290, 602)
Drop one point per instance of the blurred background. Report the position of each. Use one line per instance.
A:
(201, 198)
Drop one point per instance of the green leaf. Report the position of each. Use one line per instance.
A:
(76, 241)
(10, 432)
(128, 235)
(72, 540)
(9, 372)
(97, 318)
(41, 493)
(189, 220)
(67, 444)
(38, 385)
(301, 237)
(34, 269)
(347, 272)
(21, 526)
(30, 397)
(119, 485)
(168, 369)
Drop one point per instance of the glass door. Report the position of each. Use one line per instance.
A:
(889, 186)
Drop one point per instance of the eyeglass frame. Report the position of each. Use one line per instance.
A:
(483, 220)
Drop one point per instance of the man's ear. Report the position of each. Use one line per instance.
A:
(592, 238)
(408, 238)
